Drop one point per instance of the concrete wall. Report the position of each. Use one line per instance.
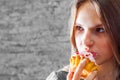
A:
(34, 38)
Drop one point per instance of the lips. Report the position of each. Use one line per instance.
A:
(93, 53)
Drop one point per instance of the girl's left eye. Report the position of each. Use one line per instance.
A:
(101, 30)
(79, 28)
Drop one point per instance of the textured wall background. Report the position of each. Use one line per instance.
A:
(34, 38)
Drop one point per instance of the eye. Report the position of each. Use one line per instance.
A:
(79, 28)
(100, 29)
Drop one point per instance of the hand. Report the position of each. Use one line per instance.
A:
(76, 75)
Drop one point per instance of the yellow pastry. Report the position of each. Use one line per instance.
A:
(89, 67)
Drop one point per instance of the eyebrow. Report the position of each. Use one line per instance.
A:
(98, 25)
(77, 24)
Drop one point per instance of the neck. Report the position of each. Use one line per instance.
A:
(106, 71)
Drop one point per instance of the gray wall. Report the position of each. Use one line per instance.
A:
(34, 38)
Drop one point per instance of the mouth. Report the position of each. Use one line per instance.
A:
(94, 54)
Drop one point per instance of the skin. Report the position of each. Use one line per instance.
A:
(90, 35)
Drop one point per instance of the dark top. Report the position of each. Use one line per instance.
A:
(58, 75)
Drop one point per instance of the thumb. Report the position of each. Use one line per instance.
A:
(92, 75)
(70, 75)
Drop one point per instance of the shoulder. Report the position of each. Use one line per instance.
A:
(58, 75)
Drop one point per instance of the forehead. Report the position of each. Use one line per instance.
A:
(92, 4)
(87, 15)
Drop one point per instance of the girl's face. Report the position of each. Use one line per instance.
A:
(90, 34)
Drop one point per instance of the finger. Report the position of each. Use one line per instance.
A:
(70, 75)
(96, 78)
(79, 70)
(92, 75)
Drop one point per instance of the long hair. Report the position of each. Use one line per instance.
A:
(109, 11)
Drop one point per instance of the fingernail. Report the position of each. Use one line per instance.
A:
(83, 61)
(71, 73)
(95, 72)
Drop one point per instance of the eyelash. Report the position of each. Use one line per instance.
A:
(79, 28)
(99, 29)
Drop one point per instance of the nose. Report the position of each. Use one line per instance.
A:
(87, 39)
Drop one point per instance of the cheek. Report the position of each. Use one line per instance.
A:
(105, 47)
(78, 41)
(108, 48)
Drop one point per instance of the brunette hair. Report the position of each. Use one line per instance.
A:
(109, 11)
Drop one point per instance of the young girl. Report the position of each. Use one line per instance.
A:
(95, 28)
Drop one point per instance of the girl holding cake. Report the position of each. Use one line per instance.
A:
(95, 40)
